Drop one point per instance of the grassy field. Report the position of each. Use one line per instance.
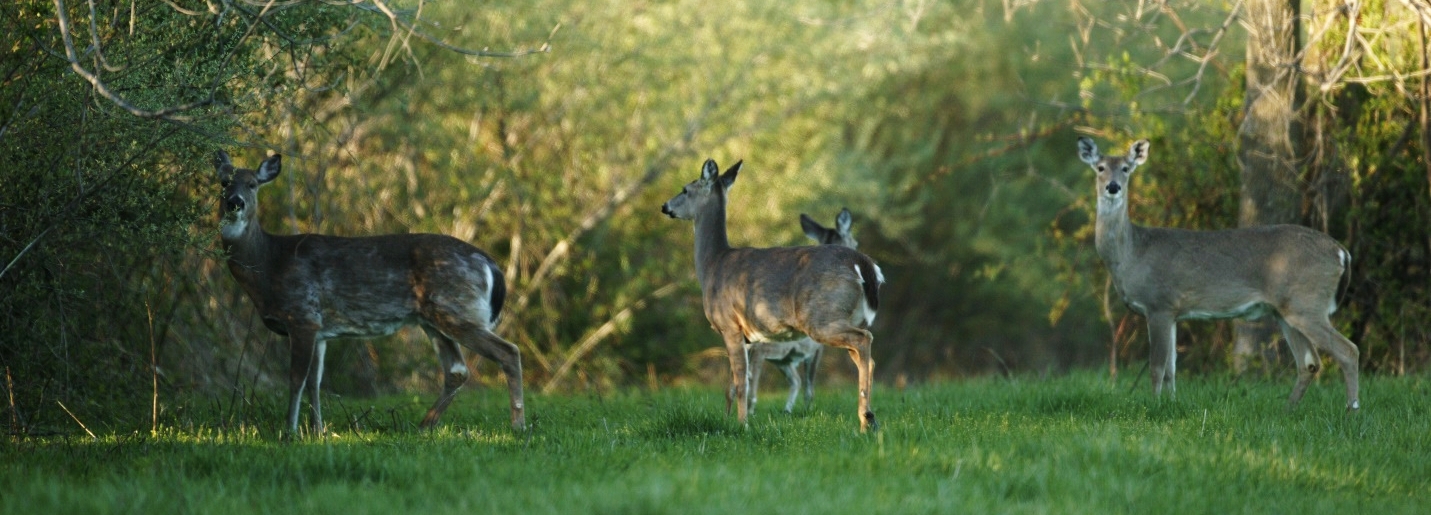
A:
(1074, 444)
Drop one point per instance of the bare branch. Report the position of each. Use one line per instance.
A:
(103, 90)
(594, 337)
(399, 25)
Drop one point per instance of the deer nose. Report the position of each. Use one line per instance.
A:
(233, 203)
(666, 210)
(1113, 188)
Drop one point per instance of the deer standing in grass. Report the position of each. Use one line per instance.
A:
(1287, 271)
(312, 287)
(788, 356)
(751, 295)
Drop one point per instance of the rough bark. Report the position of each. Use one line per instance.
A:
(1268, 142)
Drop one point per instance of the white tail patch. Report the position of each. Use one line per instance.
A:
(865, 315)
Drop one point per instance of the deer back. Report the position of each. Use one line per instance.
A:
(769, 294)
(1229, 273)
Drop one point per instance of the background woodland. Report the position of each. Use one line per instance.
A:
(549, 133)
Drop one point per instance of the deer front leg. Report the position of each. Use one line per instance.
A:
(301, 348)
(315, 378)
(739, 354)
(1162, 352)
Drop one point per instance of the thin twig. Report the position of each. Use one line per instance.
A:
(77, 420)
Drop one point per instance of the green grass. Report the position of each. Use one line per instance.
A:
(1072, 444)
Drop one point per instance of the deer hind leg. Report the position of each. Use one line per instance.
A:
(858, 342)
(1163, 353)
(505, 353)
(1319, 331)
(739, 354)
(755, 366)
(454, 374)
(811, 365)
(1305, 358)
(792, 375)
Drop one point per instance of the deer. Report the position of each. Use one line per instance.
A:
(829, 293)
(1290, 272)
(789, 356)
(313, 287)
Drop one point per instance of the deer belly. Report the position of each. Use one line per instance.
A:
(1250, 311)
(344, 327)
(754, 336)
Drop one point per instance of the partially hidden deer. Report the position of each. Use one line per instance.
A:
(789, 356)
(313, 287)
(752, 295)
(1289, 272)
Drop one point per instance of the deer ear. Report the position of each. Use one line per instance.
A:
(709, 170)
(1138, 152)
(1088, 150)
(728, 178)
(843, 221)
(221, 159)
(813, 229)
(269, 168)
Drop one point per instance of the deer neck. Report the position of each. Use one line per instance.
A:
(249, 250)
(711, 240)
(1113, 232)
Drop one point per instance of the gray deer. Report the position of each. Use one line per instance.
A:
(313, 287)
(827, 292)
(789, 356)
(1287, 271)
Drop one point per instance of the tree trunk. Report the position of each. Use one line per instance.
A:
(1268, 142)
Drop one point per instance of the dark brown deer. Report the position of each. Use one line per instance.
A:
(827, 292)
(789, 356)
(313, 287)
(1287, 271)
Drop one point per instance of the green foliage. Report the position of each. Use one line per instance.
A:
(1072, 444)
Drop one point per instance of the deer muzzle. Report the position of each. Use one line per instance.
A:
(233, 203)
(1113, 188)
(666, 210)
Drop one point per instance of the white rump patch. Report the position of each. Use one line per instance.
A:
(484, 301)
(865, 315)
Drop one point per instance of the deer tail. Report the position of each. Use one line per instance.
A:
(1344, 283)
(871, 278)
(498, 290)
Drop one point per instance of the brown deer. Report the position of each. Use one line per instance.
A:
(789, 356)
(827, 292)
(313, 287)
(1287, 271)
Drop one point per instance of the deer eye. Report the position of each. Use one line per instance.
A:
(224, 183)
(1102, 168)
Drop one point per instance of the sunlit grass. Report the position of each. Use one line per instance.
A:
(1074, 444)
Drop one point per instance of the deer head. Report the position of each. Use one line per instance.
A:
(238, 204)
(839, 235)
(1113, 171)
(698, 193)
